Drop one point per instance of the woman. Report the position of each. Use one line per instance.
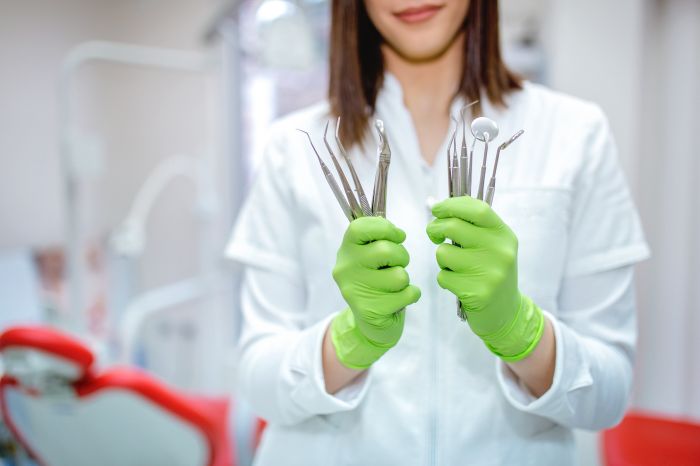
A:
(330, 358)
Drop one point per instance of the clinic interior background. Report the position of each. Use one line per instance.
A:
(119, 182)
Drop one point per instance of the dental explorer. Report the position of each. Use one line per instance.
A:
(492, 183)
(485, 130)
(366, 209)
(331, 182)
(354, 206)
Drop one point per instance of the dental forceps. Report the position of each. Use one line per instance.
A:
(492, 183)
(366, 209)
(355, 207)
(352, 201)
(381, 177)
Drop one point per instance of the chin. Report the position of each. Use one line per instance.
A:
(418, 49)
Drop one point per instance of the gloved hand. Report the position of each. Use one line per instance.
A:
(482, 271)
(370, 272)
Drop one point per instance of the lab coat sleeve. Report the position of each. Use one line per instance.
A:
(594, 354)
(595, 325)
(280, 367)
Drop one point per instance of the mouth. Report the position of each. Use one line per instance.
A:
(418, 14)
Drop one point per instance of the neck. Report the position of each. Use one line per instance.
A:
(428, 90)
(428, 86)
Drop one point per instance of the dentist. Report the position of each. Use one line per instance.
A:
(328, 355)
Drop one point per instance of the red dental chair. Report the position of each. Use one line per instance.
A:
(66, 413)
(648, 440)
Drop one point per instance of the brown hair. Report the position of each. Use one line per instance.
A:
(357, 65)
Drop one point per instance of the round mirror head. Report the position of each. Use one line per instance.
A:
(484, 128)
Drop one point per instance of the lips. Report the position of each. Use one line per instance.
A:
(418, 14)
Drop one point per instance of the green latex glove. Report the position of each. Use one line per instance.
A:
(482, 271)
(370, 272)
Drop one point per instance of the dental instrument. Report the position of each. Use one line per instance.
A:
(485, 130)
(454, 164)
(366, 209)
(492, 183)
(453, 179)
(465, 176)
(381, 177)
(459, 170)
(354, 205)
(344, 205)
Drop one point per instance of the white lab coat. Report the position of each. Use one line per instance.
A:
(440, 397)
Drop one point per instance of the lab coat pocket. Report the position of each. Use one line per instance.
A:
(540, 219)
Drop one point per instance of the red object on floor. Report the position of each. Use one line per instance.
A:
(646, 440)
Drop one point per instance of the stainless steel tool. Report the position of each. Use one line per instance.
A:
(344, 205)
(485, 130)
(354, 207)
(381, 177)
(492, 183)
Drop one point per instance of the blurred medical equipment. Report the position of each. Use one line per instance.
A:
(20, 290)
(65, 412)
(129, 242)
(355, 207)
(459, 168)
(277, 22)
(174, 327)
(81, 156)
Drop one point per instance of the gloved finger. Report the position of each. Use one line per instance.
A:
(454, 282)
(367, 229)
(388, 280)
(468, 209)
(461, 232)
(409, 295)
(475, 262)
(382, 253)
(390, 303)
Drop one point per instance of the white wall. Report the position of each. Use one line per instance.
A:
(595, 52)
(640, 60)
(668, 369)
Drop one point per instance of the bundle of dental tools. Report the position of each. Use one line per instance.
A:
(460, 167)
(354, 207)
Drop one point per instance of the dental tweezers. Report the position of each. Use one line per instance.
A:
(354, 207)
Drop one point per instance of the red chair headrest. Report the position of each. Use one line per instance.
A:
(49, 341)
